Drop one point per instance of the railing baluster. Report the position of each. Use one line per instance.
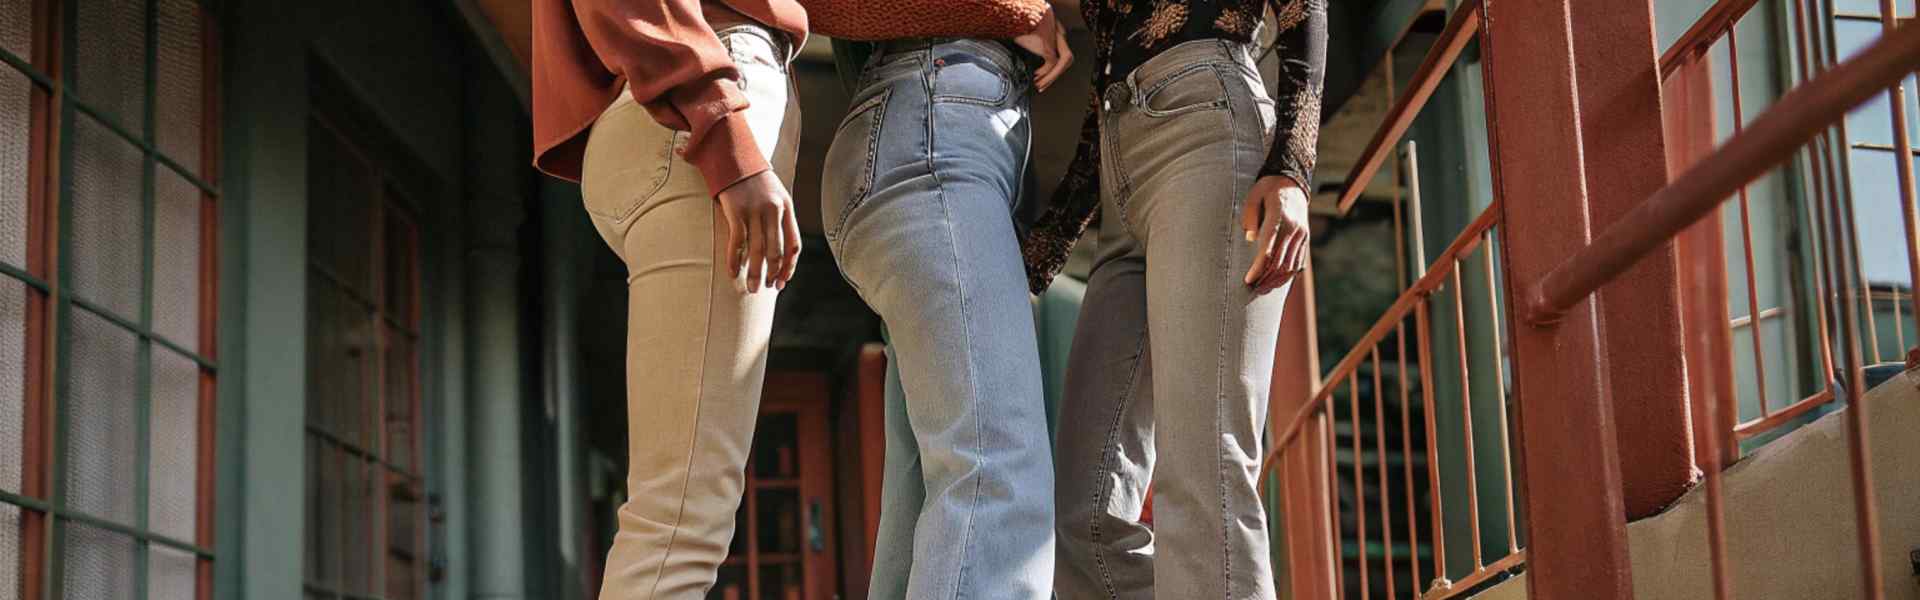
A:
(1333, 499)
(1866, 524)
(1466, 413)
(1500, 389)
(1406, 451)
(1424, 332)
(1359, 482)
(1746, 231)
(1380, 449)
(1903, 159)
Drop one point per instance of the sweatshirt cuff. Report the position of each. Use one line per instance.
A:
(727, 153)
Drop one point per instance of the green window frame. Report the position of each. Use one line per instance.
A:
(109, 124)
(367, 506)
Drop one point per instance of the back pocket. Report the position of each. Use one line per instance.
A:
(848, 178)
(629, 158)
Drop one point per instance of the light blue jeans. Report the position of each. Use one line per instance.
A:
(917, 201)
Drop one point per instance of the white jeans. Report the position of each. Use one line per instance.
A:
(696, 340)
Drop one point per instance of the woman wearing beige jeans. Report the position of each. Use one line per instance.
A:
(679, 119)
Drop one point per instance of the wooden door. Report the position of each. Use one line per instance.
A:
(784, 547)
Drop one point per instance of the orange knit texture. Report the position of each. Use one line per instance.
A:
(896, 19)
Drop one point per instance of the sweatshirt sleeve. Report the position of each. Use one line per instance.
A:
(678, 69)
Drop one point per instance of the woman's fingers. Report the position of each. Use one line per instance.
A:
(1286, 263)
(736, 239)
(1264, 244)
(756, 249)
(790, 225)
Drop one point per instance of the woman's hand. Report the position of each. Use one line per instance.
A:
(763, 235)
(1048, 40)
(1275, 221)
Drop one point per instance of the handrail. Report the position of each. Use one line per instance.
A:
(1769, 140)
(1435, 277)
(1461, 28)
(1704, 33)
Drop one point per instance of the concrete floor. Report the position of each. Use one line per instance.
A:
(1789, 516)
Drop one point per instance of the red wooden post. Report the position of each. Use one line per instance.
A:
(1301, 468)
(1575, 517)
(1622, 140)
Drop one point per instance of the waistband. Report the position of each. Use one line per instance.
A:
(1179, 58)
(1001, 53)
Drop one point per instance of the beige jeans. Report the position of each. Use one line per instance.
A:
(696, 340)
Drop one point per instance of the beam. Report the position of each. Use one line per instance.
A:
(1575, 518)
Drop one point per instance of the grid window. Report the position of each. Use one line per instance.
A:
(107, 369)
(365, 493)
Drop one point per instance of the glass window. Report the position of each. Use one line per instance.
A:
(107, 266)
(364, 484)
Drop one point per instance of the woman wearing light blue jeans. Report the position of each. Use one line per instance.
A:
(917, 204)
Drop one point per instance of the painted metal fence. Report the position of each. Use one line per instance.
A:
(1576, 482)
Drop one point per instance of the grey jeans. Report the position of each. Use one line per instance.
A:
(1168, 377)
(917, 201)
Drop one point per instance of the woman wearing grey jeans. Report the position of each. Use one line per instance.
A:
(917, 204)
(1201, 192)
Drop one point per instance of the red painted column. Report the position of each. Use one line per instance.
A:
(1621, 132)
(1576, 520)
(1302, 467)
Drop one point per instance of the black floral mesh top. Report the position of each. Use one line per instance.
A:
(1126, 33)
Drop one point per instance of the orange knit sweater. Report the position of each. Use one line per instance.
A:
(896, 19)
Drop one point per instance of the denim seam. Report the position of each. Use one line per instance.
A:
(973, 385)
(864, 183)
(1220, 358)
(693, 447)
(1145, 98)
(1109, 131)
(1105, 466)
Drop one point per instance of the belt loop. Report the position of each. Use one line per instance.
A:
(1133, 87)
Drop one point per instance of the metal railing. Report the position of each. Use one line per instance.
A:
(1804, 129)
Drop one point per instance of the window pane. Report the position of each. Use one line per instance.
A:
(320, 542)
(357, 522)
(401, 407)
(16, 27)
(16, 111)
(110, 65)
(105, 260)
(178, 107)
(1876, 213)
(9, 548)
(98, 564)
(13, 365)
(176, 259)
(101, 428)
(174, 459)
(340, 218)
(339, 346)
(400, 274)
(169, 574)
(403, 538)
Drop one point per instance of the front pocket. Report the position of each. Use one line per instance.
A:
(848, 178)
(628, 160)
(1195, 88)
